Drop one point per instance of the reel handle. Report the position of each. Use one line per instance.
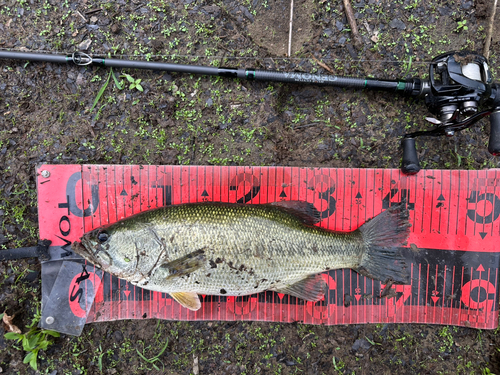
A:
(410, 163)
(494, 142)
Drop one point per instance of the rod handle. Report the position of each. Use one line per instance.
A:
(494, 142)
(410, 163)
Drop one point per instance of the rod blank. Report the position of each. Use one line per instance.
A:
(248, 74)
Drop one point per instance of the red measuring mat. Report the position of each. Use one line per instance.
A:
(451, 250)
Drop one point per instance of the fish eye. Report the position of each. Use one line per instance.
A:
(102, 237)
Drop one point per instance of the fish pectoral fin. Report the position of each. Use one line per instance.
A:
(189, 300)
(312, 288)
(185, 265)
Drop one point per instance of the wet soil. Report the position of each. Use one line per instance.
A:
(46, 116)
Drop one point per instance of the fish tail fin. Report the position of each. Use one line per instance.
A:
(383, 235)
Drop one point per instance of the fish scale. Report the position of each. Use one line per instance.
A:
(234, 250)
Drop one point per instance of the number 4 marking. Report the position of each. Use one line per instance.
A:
(405, 196)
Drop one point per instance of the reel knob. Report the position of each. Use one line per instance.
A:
(494, 142)
(410, 163)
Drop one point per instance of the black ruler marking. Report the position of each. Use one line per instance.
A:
(495, 301)
(412, 273)
(382, 186)
(254, 178)
(268, 185)
(432, 203)
(478, 193)
(99, 208)
(355, 193)
(418, 290)
(131, 189)
(475, 223)
(424, 182)
(259, 173)
(495, 190)
(156, 182)
(443, 295)
(461, 285)
(184, 183)
(149, 188)
(168, 194)
(276, 194)
(297, 171)
(367, 171)
(458, 201)
(107, 192)
(306, 181)
(350, 199)
(220, 184)
(450, 174)
(325, 224)
(107, 277)
(452, 295)
(197, 178)
(116, 195)
(343, 200)
(289, 196)
(212, 184)
(83, 199)
(343, 293)
(140, 189)
(441, 193)
(487, 293)
(435, 291)
(123, 184)
(229, 185)
(494, 203)
(374, 190)
(443, 205)
(245, 183)
(94, 212)
(467, 204)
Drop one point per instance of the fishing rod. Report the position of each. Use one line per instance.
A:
(459, 84)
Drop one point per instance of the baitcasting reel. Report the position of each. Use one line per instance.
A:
(459, 83)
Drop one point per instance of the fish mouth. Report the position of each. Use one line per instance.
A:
(83, 248)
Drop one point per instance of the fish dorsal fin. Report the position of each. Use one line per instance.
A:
(305, 211)
(312, 288)
(185, 265)
(189, 300)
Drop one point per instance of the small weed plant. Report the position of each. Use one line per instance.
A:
(33, 341)
(134, 83)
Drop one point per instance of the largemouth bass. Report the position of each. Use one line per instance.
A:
(235, 250)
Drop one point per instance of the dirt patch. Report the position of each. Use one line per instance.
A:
(272, 31)
(483, 8)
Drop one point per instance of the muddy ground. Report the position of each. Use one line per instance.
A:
(46, 116)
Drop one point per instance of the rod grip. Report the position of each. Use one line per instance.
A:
(494, 142)
(410, 163)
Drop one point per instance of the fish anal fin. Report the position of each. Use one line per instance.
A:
(312, 288)
(189, 300)
(185, 265)
(305, 211)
